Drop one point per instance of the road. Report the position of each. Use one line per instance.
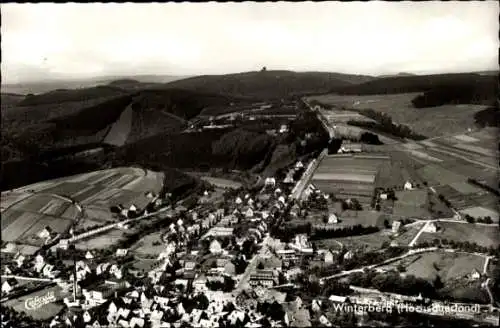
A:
(298, 191)
(414, 240)
(114, 225)
(243, 283)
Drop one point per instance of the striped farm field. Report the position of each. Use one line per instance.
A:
(362, 178)
(28, 210)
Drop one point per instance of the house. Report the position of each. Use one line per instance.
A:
(332, 219)
(287, 254)
(396, 227)
(430, 227)
(394, 243)
(219, 232)
(383, 196)
(215, 247)
(408, 186)
(324, 321)
(238, 200)
(89, 255)
(87, 317)
(270, 182)
(266, 278)
(337, 299)
(293, 273)
(45, 233)
(200, 283)
(249, 213)
(19, 260)
(328, 257)
(121, 252)
(295, 210)
(8, 285)
(474, 275)
(299, 165)
(302, 244)
(349, 255)
(283, 128)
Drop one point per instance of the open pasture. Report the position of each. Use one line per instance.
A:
(101, 241)
(151, 244)
(372, 241)
(431, 122)
(486, 236)
(46, 311)
(479, 211)
(448, 266)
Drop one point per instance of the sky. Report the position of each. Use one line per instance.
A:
(44, 41)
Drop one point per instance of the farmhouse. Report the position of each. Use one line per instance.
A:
(332, 219)
(408, 185)
(396, 227)
(430, 227)
(45, 233)
(474, 275)
(8, 285)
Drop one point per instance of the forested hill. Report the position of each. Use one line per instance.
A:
(268, 84)
(438, 89)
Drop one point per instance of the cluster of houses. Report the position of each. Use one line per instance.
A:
(38, 267)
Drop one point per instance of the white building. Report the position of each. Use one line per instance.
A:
(215, 247)
(430, 227)
(408, 185)
(332, 219)
(396, 227)
(270, 182)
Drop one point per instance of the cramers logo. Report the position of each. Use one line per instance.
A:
(34, 303)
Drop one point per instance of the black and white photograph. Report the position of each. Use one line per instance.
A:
(250, 164)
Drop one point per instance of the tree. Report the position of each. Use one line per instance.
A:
(387, 224)
(469, 218)
(438, 284)
(260, 266)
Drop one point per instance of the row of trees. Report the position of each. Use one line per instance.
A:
(355, 230)
(385, 124)
(465, 246)
(471, 219)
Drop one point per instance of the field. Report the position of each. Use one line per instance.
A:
(222, 183)
(411, 203)
(26, 213)
(24, 220)
(145, 245)
(481, 212)
(486, 236)
(448, 266)
(102, 241)
(430, 122)
(348, 175)
(46, 311)
(372, 241)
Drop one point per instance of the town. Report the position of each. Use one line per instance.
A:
(250, 165)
